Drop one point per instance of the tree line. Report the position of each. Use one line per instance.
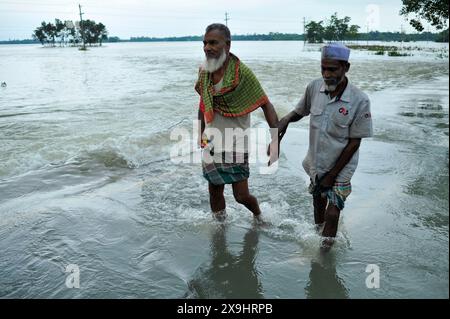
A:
(340, 30)
(276, 36)
(273, 36)
(69, 33)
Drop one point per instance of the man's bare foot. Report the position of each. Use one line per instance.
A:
(327, 243)
(220, 216)
(257, 219)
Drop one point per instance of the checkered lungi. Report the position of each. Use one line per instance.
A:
(225, 167)
(337, 194)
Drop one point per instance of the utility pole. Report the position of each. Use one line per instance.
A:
(367, 37)
(304, 32)
(226, 19)
(82, 28)
(401, 35)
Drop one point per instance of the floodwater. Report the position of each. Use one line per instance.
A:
(86, 179)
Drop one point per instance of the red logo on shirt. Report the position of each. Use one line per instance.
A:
(343, 111)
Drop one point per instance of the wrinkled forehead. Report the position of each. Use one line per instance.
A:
(215, 35)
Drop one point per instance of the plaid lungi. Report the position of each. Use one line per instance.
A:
(225, 167)
(337, 194)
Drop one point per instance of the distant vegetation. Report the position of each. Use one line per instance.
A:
(273, 36)
(66, 37)
(335, 30)
(340, 30)
(442, 37)
(68, 33)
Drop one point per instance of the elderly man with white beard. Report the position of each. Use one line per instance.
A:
(229, 92)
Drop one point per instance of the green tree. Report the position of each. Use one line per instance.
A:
(352, 33)
(85, 29)
(93, 32)
(432, 11)
(59, 28)
(337, 29)
(100, 30)
(39, 35)
(67, 32)
(50, 31)
(315, 32)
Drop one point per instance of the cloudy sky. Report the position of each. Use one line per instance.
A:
(157, 18)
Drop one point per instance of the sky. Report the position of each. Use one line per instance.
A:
(163, 18)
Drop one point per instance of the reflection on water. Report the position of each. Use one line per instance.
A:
(324, 282)
(229, 275)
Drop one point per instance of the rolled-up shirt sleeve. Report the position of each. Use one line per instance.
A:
(362, 124)
(303, 106)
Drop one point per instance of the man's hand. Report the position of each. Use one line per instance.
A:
(201, 127)
(327, 181)
(329, 178)
(199, 141)
(323, 184)
(202, 141)
(282, 126)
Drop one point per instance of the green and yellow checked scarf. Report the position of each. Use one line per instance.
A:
(241, 92)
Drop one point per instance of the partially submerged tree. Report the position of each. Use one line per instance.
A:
(314, 32)
(68, 32)
(336, 30)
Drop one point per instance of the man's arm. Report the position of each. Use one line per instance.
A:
(201, 118)
(270, 115)
(284, 123)
(302, 107)
(345, 157)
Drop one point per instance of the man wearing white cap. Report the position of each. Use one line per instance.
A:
(340, 118)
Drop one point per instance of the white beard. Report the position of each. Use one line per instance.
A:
(330, 88)
(212, 65)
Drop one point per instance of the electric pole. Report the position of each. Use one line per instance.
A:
(304, 32)
(226, 19)
(367, 36)
(401, 35)
(82, 28)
